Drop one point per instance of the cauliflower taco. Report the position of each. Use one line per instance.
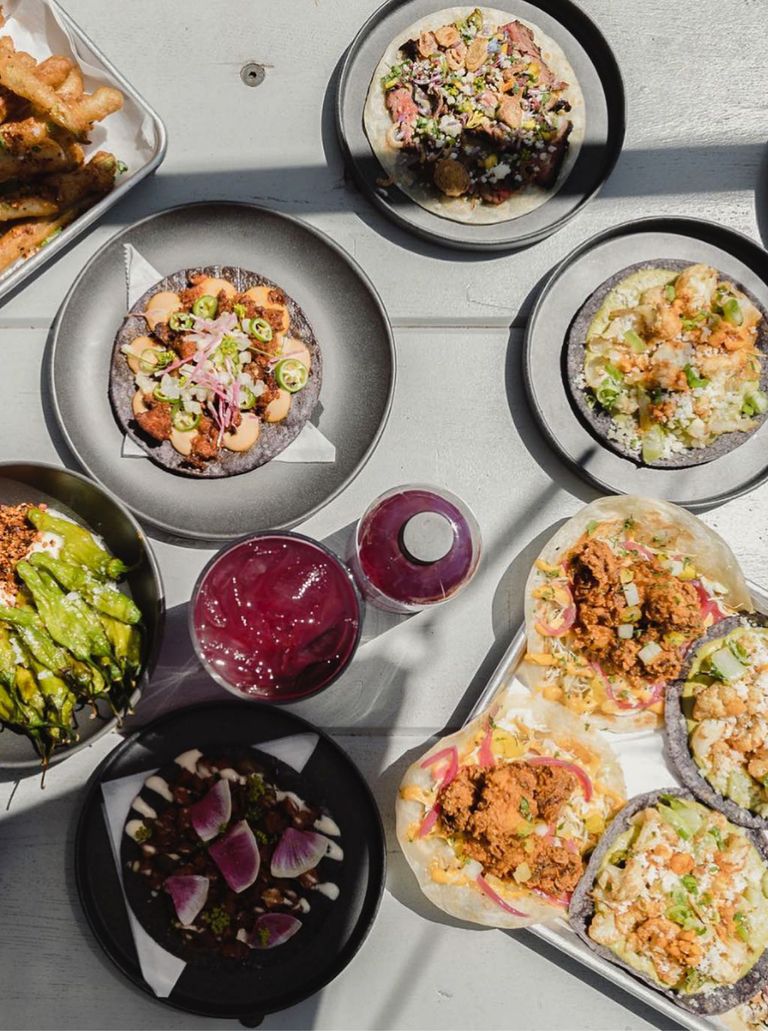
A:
(676, 894)
(667, 363)
(615, 599)
(496, 820)
(717, 720)
(476, 116)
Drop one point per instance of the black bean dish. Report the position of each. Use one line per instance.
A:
(224, 859)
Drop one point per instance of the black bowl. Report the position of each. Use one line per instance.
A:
(79, 497)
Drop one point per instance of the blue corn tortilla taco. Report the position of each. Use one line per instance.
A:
(214, 371)
(667, 363)
(716, 718)
(677, 895)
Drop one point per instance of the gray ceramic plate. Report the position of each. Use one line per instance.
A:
(76, 496)
(571, 283)
(348, 319)
(600, 80)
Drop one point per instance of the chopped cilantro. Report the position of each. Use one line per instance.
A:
(525, 808)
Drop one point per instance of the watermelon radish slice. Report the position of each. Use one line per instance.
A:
(271, 930)
(188, 893)
(213, 812)
(237, 856)
(297, 852)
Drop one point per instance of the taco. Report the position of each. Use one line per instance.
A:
(496, 820)
(676, 894)
(214, 371)
(615, 599)
(474, 115)
(749, 1016)
(717, 720)
(667, 363)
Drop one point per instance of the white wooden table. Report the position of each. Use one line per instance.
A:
(696, 83)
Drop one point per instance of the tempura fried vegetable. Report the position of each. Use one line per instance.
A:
(25, 238)
(79, 545)
(101, 596)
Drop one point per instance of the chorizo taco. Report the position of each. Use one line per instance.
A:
(476, 116)
(667, 363)
(613, 602)
(214, 371)
(496, 820)
(676, 894)
(717, 720)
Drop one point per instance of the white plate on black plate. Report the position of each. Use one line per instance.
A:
(346, 314)
(230, 989)
(600, 79)
(568, 287)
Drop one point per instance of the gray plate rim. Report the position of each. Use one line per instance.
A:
(614, 143)
(686, 226)
(324, 238)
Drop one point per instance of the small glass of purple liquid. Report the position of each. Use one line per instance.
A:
(415, 546)
(275, 617)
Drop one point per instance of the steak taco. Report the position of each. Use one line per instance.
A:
(717, 719)
(668, 363)
(475, 116)
(214, 371)
(496, 820)
(676, 894)
(615, 599)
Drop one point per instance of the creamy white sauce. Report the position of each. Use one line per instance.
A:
(303, 905)
(159, 786)
(148, 850)
(188, 760)
(242, 935)
(133, 827)
(204, 771)
(51, 543)
(7, 597)
(141, 807)
(333, 851)
(327, 826)
(233, 776)
(298, 802)
(330, 890)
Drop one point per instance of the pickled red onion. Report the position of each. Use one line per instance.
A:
(657, 690)
(452, 755)
(707, 603)
(562, 901)
(428, 822)
(565, 619)
(486, 889)
(578, 773)
(485, 756)
(639, 548)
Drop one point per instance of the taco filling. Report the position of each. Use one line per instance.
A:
(673, 359)
(477, 109)
(615, 616)
(680, 898)
(725, 701)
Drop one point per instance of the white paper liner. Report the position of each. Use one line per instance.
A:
(160, 968)
(309, 446)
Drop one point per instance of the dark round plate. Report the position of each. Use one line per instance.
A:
(545, 353)
(347, 317)
(81, 499)
(239, 992)
(600, 79)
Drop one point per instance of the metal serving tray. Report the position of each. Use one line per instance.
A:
(151, 125)
(641, 755)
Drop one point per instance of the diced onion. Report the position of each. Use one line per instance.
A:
(631, 594)
(649, 652)
(626, 631)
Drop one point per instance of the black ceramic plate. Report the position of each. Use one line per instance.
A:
(78, 497)
(600, 80)
(347, 317)
(545, 353)
(239, 992)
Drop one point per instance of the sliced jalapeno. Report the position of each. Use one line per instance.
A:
(185, 421)
(181, 320)
(158, 395)
(148, 359)
(205, 307)
(258, 328)
(291, 374)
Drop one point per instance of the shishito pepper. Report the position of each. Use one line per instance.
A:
(79, 546)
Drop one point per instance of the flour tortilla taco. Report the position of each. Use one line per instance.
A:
(676, 894)
(214, 371)
(613, 602)
(475, 115)
(717, 719)
(496, 820)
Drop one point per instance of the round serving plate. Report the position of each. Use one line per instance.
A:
(600, 79)
(346, 314)
(238, 991)
(569, 286)
(79, 498)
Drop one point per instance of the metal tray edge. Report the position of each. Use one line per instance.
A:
(23, 271)
(574, 948)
